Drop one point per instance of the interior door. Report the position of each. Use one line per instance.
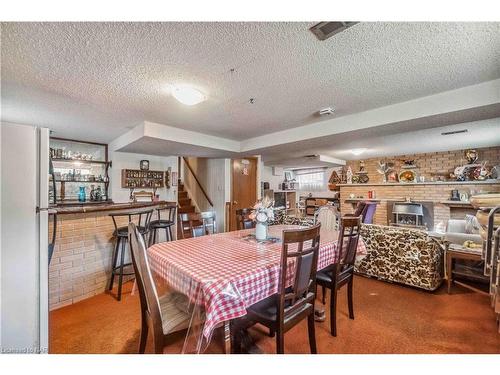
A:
(244, 186)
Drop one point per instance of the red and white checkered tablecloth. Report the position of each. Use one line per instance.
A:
(227, 273)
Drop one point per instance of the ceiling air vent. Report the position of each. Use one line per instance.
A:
(455, 132)
(325, 30)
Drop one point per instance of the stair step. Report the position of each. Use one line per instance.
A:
(182, 194)
(184, 202)
(186, 209)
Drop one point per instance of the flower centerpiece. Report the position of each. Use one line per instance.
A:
(262, 213)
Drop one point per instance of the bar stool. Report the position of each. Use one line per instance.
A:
(166, 224)
(142, 218)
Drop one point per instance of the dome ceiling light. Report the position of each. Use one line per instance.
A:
(188, 95)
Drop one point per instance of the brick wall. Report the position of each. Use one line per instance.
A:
(81, 264)
(428, 163)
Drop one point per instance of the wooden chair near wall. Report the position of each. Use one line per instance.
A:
(188, 221)
(159, 315)
(209, 222)
(341, 272)
(197, 224)
(243, 220)
(285, 309)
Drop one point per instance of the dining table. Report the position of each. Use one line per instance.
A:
(222, 274)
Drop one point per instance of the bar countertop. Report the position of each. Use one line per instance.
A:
(105, 206)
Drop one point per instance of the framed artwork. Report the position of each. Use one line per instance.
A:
(174, 178)
(144, 165)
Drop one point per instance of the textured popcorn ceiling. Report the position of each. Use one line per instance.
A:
(97, 80)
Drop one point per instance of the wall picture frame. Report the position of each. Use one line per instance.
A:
(144, 165)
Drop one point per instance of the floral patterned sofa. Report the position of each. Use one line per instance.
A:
(401, 255)
(280, 217)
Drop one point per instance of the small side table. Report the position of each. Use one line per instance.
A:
(454, 252)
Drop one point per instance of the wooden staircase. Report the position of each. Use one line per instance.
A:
(185, 203)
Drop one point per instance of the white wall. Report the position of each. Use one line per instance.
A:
(124, 160)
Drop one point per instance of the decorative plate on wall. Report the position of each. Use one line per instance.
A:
(407, 176)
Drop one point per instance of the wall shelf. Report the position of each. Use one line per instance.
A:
(413, 184)
(80, 161)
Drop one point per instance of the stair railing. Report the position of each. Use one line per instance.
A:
(202, 189)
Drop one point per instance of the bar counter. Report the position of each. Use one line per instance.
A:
(81, 263)
(105, 206)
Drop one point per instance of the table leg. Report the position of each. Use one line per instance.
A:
(227, 337)
(449, 268)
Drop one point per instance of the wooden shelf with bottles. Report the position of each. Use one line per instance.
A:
(137, 178)
(71, 158)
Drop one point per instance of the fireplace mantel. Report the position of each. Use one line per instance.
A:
(413, 184)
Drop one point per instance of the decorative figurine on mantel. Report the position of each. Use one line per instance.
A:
(384, 168)
(349, 175)
(361, 177)
(362, 166)
(472, 170)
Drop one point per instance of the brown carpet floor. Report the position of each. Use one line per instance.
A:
(389, 318)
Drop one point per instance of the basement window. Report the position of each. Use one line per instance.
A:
(311, 179)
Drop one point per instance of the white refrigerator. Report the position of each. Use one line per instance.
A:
(24, 157)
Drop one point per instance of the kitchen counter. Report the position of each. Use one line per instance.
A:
(105, 206)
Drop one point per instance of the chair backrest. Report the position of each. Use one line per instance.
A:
(360, 208)
(170, 211)
(150, 305)
(306, 262)
(140, 217)
(209, 222)
(347, 242)
(327, 216)
(369, 212)
(243, 220)
(188, 222)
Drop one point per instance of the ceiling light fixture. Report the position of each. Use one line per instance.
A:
(358, 151)
(188, 95)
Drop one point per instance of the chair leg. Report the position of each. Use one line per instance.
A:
(113, 263)
(122, 261)
(323, 294)
(144, 336)
(280, 344)
(349, 299)
(312, 333)
(170, 236)
(333, 312)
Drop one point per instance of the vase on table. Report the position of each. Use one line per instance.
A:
(260, 231)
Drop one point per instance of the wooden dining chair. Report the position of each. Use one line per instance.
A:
(160, 315)
(294, 300)
(243, 220)
(188, 221)
(341, 272)
(209, 222)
